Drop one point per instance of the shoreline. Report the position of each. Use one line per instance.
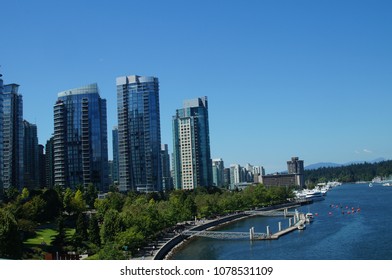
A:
(167, 251)
(186, 240)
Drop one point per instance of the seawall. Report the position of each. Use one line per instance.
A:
(178, 239)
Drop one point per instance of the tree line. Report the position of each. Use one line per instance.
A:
(350, 173)
(118, 225)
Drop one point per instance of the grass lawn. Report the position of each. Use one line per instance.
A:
(43, 235)
(47, 235)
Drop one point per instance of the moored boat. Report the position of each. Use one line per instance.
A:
(308, 217)
(314, 195)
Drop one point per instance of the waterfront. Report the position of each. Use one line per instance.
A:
(364, 234)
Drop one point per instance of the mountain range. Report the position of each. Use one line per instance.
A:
(332, 164)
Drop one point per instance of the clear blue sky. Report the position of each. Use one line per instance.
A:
(311, 79)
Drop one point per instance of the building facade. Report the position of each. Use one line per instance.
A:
(49, 163)
(12, 160)
(115, 166)
(294, 176)
(31, 156)
(80, 139)
(1, 135)
(191, 145)
(296, 167)
(218, 172)
(167, 180)
(139, 134)
(41, 166)
(235, 175)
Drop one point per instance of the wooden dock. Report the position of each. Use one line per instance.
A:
(290, 229)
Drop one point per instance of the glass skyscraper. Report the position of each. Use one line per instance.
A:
(80, 139)
(31, 157)
(139, 134)
(217, 172)
(115, 155)
(49, 163)
(191, 145)
(1, 135)
(167, 180)
(12, 137)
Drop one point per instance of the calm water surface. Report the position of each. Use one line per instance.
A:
(366, 234)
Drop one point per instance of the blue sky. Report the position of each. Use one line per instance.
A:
(311, 79)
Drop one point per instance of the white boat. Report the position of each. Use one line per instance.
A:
(309, 217)
(387, 184)
(299, 194)
(314, 195)
(324, 191)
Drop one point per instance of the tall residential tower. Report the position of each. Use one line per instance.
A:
(80, 138)
(191, 145)
(12, 137)
(139, 134)
(31, 156)
(1, 135)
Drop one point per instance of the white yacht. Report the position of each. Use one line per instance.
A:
(315, 195)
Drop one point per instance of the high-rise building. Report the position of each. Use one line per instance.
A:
(115, 155)
(139, 134)
(218, 172)
(31, 157)
(226, 177)
(167, 180)
(12, 137)
(295, 176)
(191, 145)
(258, 172)
(1, 135)
(49, 163)
(235, 175)
(41, 166)
(80, 138)
(296, 166)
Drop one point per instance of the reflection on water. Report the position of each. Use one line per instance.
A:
(337, 232)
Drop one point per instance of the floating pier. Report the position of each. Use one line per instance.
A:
(297, 220)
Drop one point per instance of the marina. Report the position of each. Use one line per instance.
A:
(347, 225)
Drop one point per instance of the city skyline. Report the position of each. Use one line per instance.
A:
(301, 79)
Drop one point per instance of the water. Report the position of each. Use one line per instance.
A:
(363, 235)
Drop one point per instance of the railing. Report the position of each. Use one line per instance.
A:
(223, 234)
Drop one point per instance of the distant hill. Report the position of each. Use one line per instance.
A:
(380, 159)
(322, 164)
(332, 164)
(353, 172)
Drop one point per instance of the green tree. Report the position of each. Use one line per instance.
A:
(53, 204)
(111, 226)
(10, 241)
(111, 251)
(34, 209)
(80, 234)
(131, 239)
(25, 194)
(93, 231)
(91, 194)
(10, 194)
(77, 202)
(67, 200)
(60, 239)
